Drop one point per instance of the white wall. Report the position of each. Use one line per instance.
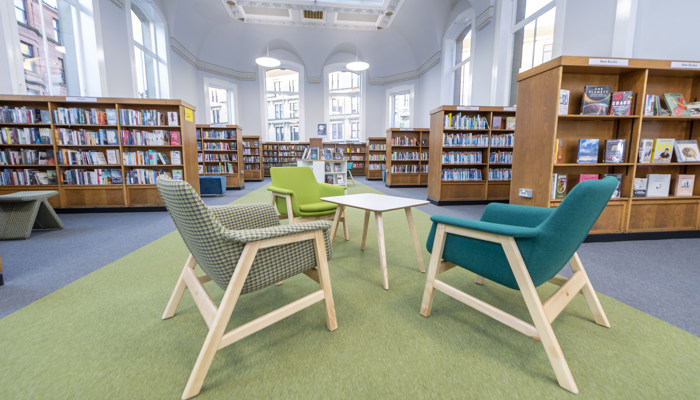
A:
(117, 54)
(667, 30)
(588, 28)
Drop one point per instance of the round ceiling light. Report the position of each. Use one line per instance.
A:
(267, 62)
(357, 66)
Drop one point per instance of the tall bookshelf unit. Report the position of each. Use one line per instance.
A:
(407, 156)
(375, 157)
(540, 127)
(222, 153)
(282, 154)
(96, 152)
(470, 157)
(252, 158)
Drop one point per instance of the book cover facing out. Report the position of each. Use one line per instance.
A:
(646, 146)
(658, 185)
(676, 104)
(687, 150)
(596, 100)
(663, 150)
(684, 185)
(621, 103)
(639, 189)
(616, 193)
(587, 151)
(587, 177)
(615, 150)
(560, 191)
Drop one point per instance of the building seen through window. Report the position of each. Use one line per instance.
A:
(282, 104)
(344, 97)
(220, 106)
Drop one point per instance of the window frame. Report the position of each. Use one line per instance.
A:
(266, 133)
(458, 65)
(23, 10)
(232, 101)
(390, 112)
(155, 67)
(361, 97)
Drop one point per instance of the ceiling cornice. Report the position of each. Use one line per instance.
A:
(209, 67)
(409, 75)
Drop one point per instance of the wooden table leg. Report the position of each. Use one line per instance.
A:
(416, 245)
(382, 248)
(364, 231)
(336, 219)
(345, 225)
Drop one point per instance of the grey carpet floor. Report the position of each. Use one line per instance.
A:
(657, 277)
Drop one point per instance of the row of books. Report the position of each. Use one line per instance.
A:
(251, 167)
(465, 121)
(501, 157)
(461, 174)
(408, 169)
(599, 100)
(151, 157)
(147, 117)
(561, 181)
(220, 157)
(24, 115)
(156, 137)
(662, 150)
(588, 151)
(92, 177)
(73, 137)
(24, 177)
(675, 103)
(250, 144)
(502, 140)
(220, 146)
(335, 179)
(27, 157)
(88, 116)
(88, 157)
(140, 176)
(465, 139)
(377, 167)
(25, 135)
(221, 168)
(497, 122)
(461, 157)
(409, 155)
(500, 174)
(249, 152)
(377, 147)
(659, 185)
(251, 159)
(376, 157)
(226, 134)
(335, 167)
(408, 141)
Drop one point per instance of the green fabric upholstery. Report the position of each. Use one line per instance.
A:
(20, 212)
(306, 192)
(546, 238)
(216, 237)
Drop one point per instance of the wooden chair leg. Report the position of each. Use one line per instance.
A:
(325, 281)
(218, 327)
(179, 290)
(433, 265)
(539, 318)
(589, 294)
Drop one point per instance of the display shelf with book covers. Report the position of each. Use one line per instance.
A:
(375, 157)
(222, 153)
(352, 151)
(472, 152)
(548, 141)
(407, 157)
(80, 152)
(327, 170)
(252, 158)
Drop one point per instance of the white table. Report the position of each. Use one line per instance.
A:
(377, 203)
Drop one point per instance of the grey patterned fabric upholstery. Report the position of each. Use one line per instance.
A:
(217, 235)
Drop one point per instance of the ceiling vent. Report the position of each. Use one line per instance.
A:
(308, 14)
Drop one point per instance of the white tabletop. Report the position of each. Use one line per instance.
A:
(374, 202)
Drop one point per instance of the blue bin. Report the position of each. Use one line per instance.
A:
(384, 176)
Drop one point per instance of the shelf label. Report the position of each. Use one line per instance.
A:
(83, 99)
(189, 114)
(406, 129)
(467, 108)
(216, 125)
(683, 64)
(509, 108)
(618, 62)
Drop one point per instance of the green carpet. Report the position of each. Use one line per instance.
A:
(102, 337)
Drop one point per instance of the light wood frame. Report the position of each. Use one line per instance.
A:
(543, 314)
(217, 318)
(298, 220)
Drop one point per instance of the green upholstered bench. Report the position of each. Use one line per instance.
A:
(20, 212)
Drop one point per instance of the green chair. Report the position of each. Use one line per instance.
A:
(296, 189)
(242, 248)
(521, 248)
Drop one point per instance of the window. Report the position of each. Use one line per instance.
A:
(64, 61)
(400, 107)
(462, 67)
(150, 61)
(21, 11)
(344, 101)
(28, 56)
(282, 111)
(533, 37)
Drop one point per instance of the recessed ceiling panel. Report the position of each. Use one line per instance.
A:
(353, 17)
(266, 12)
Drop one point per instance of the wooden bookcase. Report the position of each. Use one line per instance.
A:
(252, 158)
(407, 156)
(353, 151)
(282, 154)
(375, 157)
(540, 127)
(222, 153)
(96, 152)
(460, 171)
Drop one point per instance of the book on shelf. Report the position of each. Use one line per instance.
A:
(650, 105)
(200, 169)
(337, 167)
(615, 150)
(112, 137)
(510, 122)
(306, 154)
(587, 151)
(496, 122)
(587, 177)
(327, 154)
(564, 101)
(175, 157)
(559, 151)
(646, 147)
(616, 193)
(313, 153)
(162, 159)
(172, 118)
(327, 167)
(693, 108)
(621, 103)
(687, 150)
(558, 186)
(639, 188)
(116, 176)
(177, 174)
(175, 138)
(45, 136)
(676, 104)
(112, 156)
(663, 151)
(658, 185)
(340, 180)
(329, 179)
(596, 100)
(111, 116)
(684, 185)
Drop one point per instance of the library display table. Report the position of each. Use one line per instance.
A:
(378, 204)
(20, 212)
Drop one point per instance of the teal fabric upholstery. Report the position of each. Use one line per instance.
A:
(546, 238)
(216, 236)
(306, 192)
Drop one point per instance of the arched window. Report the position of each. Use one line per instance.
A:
(462, 67)
(344, 112)
(220, 98)
(282, 97)
(400, 106)
(150, 54)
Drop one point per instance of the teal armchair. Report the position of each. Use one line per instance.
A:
(521, 248)
(296, 189)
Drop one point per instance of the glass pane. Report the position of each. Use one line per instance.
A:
(401, 107)
(528, 45)
(344, 104)
(525, 8)
(466, 46)
(544, 37)
(140, 65)
(282, 96)
(136, 28)
(464, 84)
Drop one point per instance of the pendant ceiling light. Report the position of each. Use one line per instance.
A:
(267, 61)
(357, 65)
